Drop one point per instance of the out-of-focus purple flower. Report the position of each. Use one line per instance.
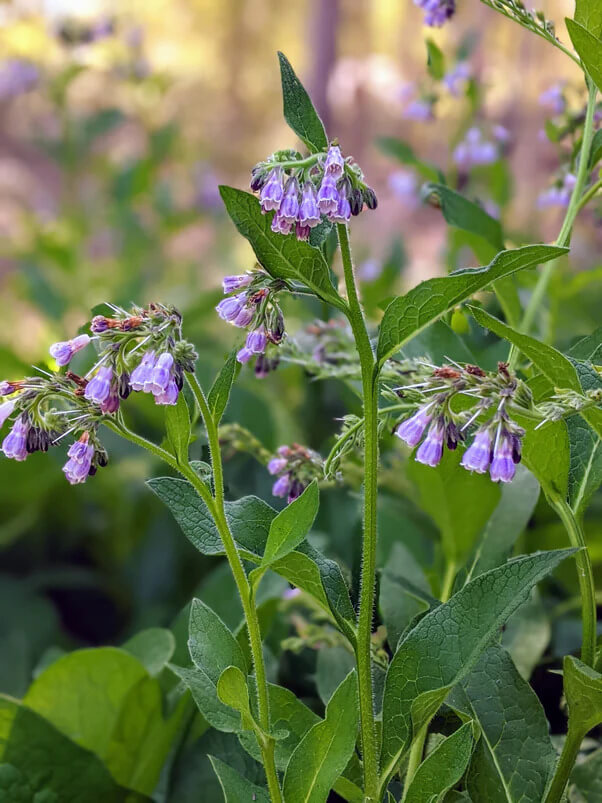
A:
(245, 355)
(111, 403)
(289, 208)
(343, 210)
(501, 134)
(478, 455)
(491, 208)
(277, 465)
(281, 225)
(503, 467)
(229, 308)
(404, 185)
(99, 387)
(169, 395)
(14, 444)
(295, 490)
(282, 486)
(558, 195)
(161, 374)
(474, 150)
(206, 187)
(436, 12)
(17, 76)
(431, 449)
(553, 98)
(309, 214)
(291, 593)
(420, 110)
(63, 351)
(455, 79)
(370, 270)
(6, 409)
(334, 164)
(257, 341)
(6, 387)
(80, 456)
(232, 283)
(143, 371)
(412, 429)
(272, 191)
(102, 28)
(328, 196)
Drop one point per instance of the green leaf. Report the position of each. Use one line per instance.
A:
(515, 758)
(38, 763)
(236, 787)
(464, 214)
(250, 519)
(583, 690)
(282, 257)
(213, 649)
(332, 667)
(585, 468)
(459, 502)
(587, 777)
(95, 697)
(292, 525)
(323, 753)
(527, 635)
(590, 346)
(546, 454)
(299, 111)
(589, 48)
(442, 769)
(232, 690)
(588, 13)
(596, 154)
(177, 424)
(221, 388)
(153, 648)
(398, 606)
(408, 315)
(403, 153)
(449, 641)
(435, 60)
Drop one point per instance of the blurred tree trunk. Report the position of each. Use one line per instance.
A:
(323, 24)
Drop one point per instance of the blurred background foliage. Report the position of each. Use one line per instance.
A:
(111, 150)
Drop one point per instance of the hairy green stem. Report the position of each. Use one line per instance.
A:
(587, 196)
(368, 575)
(565, 765)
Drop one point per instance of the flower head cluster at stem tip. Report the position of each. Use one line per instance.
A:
(256, 309)
(139, 350)
(496, 446)
(295, 467)
(436, 12)
(301, 195)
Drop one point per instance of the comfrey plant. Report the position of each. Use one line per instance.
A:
(428, 665)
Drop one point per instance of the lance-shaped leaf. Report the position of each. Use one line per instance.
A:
(284, 257)
(583, 690)
(323, 753)
(442, 769)
(445, 645)
(464, 214)
(292, 525)
(232, 690)
(515, 758)
(177, 425)
(298, 109)
(408, 315)
(235, 786)
(220, 390)
(585, 467)
(153, 648)
(589, 48)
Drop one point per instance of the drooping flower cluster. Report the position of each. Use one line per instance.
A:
(496, 446)
(49, 407)
(436, 12)
(256, 308)
(295, 467)
(302, 192)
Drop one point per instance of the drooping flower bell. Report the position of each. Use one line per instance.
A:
(6, 409)
(14, 444)
(63, 351)
(272, 191)
(412, 429)
(99, 387)
(478, 455)
(80, 455)
(430, 450)
(503, 463)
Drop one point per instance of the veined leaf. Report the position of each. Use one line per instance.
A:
(232, 690)
(282, 257)
(298, 109)
(323, 753)
(589, 48)
(587, 777)
(408, 315)
(221, 388)
(464, 214)
(589, 14)
(583, 689)
(585, 468)
(235, 786)
(398, 606)
(448, 642)
(442, 769)
(177, 425)
(292, 525)
(153, 648)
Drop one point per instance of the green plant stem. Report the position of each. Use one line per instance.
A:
(587, 196)
(565, 765)
(585, 577)
(242, 583)
(368, 574)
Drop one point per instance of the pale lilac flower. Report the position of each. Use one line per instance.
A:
(430, 450)
(309, 214)
(232, 283)
(456, 78)
(370, 270)
(17, 76)
(6, 409)
(257, 341)
(503, 467)
(478, 455)
(99, 323)
(501, 133)
(282, 486)
(276, 465)
(404, 186)
(302, 232)
(557, 195)
(229, 308)
(14, 444)
(328, 197)
(244, 317)
(169, 395)
(289, 208)
(99, 387)
(143, 371)
(161, 374)
(291, 593)
(281, 225)
(412, 429)
(272, 191)
(63, 351)
(553, 98)
(436, 12)
(474, 150)
(111, 403)
(244, 355)
(492, 209)
(420, 110)
(80, 456)
(343, 210)
(335, 164)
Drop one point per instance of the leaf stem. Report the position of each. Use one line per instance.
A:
(368, 574)
(565, 766)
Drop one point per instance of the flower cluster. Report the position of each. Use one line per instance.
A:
(496, 446)
(436, 12)
(295, 467)
(49, 407)
(559, 194)
(474, 150)
(303, 192)
(256, 308)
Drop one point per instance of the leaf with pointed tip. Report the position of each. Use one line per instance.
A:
(284, 257)
(464, 214)
(323, 753)
(292, 525)
(589, 48)
(583, 690)
(177, 425)
(220, 390)
(408, 315)
(589, 14)
(298, 109)
(442, 769)
(232, 690)
(585, 467)
(589, 347)
(444, 646)
(153, 648)
(235, 786)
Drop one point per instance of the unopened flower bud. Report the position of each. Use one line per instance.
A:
(370, 198)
